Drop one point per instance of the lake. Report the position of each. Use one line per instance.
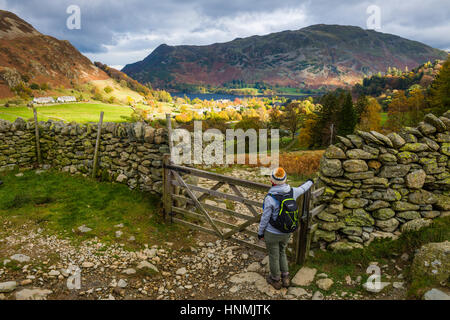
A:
(217, 96)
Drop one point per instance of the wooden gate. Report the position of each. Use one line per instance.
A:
(190, 208)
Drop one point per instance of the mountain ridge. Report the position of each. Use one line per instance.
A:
(27, 54)
(312, 57)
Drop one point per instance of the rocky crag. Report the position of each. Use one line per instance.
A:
(380, 186)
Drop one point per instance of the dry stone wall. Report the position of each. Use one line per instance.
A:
(129, 153)
(380, 186)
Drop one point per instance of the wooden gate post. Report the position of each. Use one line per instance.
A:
(304, 229)
(36, 130)
(97, 145)
(167, 188)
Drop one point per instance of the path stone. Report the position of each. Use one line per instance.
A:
(435, 294)
(181, 271)
(148, 265)
(20, 258)
(84, 229)
(304, 277)
(122, 283)
(33, 294)
(9, 286)
(129, 271)
(324, 284)
(318, 296)
(297, 292)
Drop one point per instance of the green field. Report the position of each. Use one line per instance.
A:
(79, 112)
(61, 203)
(384, 117)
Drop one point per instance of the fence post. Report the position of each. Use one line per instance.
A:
(167, 188)
(305, 222)
(296, 238)
(38, 144)
(97, 145)
(169, 130)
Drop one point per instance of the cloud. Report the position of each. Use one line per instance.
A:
(121, 32)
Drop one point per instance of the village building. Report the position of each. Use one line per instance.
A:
(44, 100)
(66, 99)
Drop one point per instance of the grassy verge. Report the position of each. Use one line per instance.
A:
(384, 251)
(61, 203)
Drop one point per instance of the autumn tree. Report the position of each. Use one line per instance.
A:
(397, 111)
(371, 117)
(291, 117)
(439, 97)
(347, 117)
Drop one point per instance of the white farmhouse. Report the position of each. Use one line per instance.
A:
(44, 100)
(66, 99)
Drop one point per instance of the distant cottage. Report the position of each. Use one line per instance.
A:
(43, 100)
(66, 99)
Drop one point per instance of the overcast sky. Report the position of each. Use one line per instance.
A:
(121, 32)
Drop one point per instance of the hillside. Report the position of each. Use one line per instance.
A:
(313, 57)
(27, 56)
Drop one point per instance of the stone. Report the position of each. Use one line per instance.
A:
(370, 287)
(404, 206)
(388, 158)
(344, 246)
(387, 225)
(360, 154)
(147, 265)
(384, 214)
(426, 128)
(334, 152)
(129, 271)
(432, 261)
(360, 175)
(246, 277)
(181, 271)
(20, 258)
(375, 182)
(324, 284)
(416, 179)
(359, 218)
(422, 197)
(297, 292)
(382, 138)
(7, 287)
(317, 296)
(355, 166)
(415, 147)
(436, 122)
(331, 226)
(33, 294)
(324, 216)
(397, 140)
(122, 283)
(352, 231)
(84, 229)
(331, 167)
(379, 204)
(436, 294)
(415, 225)
(368, 137)
(304, 277)
(396, 171)
(354, 203)
(87, 264)
(429, 214)
(407, 157)
(328, 236)
(409, 215)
